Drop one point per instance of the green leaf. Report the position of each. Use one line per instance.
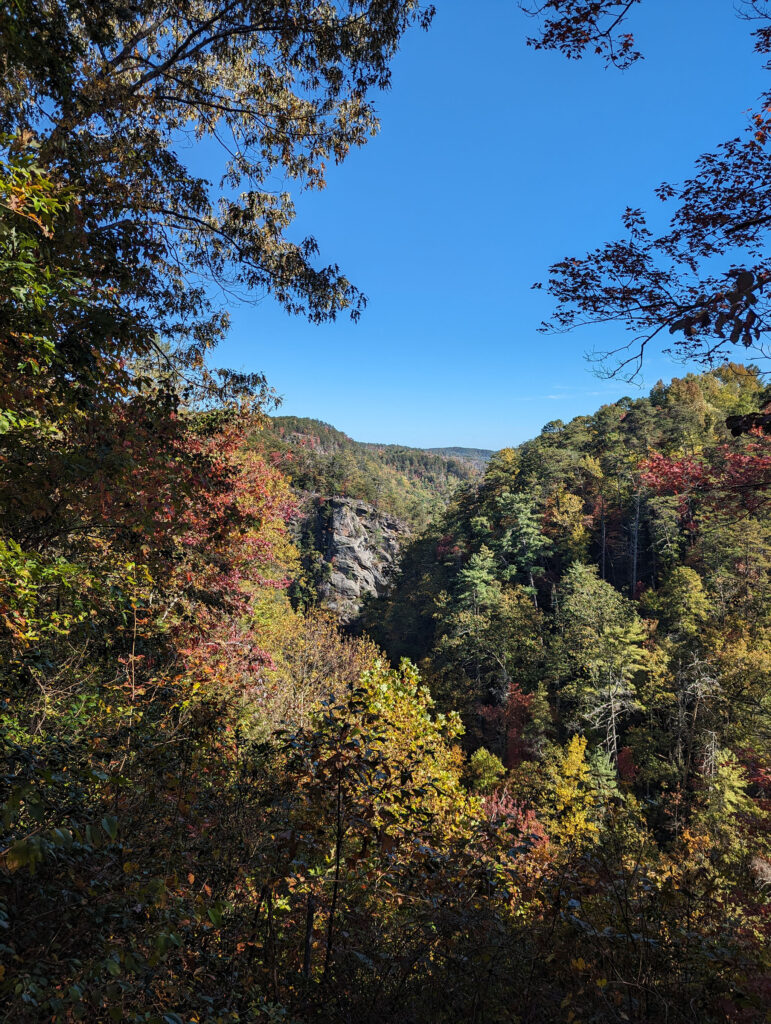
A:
(110, 825)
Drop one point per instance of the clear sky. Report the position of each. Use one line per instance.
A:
(493, 161)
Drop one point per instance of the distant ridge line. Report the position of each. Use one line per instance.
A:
(477, 454)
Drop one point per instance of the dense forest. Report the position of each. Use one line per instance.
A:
(532, 783)
(411, 483)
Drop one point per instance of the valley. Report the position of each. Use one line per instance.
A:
(300, 729)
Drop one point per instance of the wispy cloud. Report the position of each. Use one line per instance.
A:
(585, 391)
(566, 395)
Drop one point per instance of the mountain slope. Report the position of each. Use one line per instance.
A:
(630, 491)
(412, 484)
(359, 504)
(478, 457)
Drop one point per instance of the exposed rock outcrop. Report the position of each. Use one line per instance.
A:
(358, 547)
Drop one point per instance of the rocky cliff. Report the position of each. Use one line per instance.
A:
(356, 549)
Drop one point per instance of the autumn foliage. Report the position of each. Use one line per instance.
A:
(219, 806)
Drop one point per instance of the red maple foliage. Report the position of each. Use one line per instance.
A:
(726, 478)
(511, 717)
(627, 769)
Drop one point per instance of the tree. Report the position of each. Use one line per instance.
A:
(566, 523)
(603, 641)
(575, 26)
(478, 589)
(681, 603)
(522, 544)
(501, 471)
(109, 244)
(497, 643)
(573, 796)
(705, 279)
(485, 771)
(727, 478)
(102, 94)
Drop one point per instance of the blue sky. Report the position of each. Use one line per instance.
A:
(493, 161)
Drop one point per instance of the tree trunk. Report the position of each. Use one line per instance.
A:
(602, 529)
(635, 546)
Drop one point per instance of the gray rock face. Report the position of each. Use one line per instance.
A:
(361, 548)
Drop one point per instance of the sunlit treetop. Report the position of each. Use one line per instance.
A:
(105, 93)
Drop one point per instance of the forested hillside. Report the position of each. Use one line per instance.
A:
(356, 505)
(232, 805)
(410, 483)
(479, 456)
(531, 784)
(638, 489)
